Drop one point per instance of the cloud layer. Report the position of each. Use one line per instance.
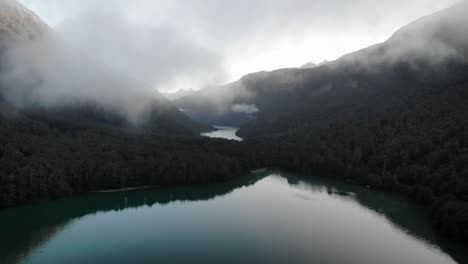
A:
(47, 73)
(174, 44)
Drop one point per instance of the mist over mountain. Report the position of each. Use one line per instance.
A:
(433, 39)
(309, 65)
(432, 48)
(41, 71)
(79, 116)
(18, 22)
(179, 94)
(392, 116)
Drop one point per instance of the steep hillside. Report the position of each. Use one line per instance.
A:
(43, 76)
(429, 52)
(439, 37)
(392, 116)
(178, 94)
(232, 104)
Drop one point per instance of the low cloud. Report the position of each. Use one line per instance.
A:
(162, 57)
(244, 108)
(48, 73)
(177, 44)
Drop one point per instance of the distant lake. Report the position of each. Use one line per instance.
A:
(223, 132)
(274, 217)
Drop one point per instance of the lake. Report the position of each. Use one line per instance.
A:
(271, 217)
(223, 132)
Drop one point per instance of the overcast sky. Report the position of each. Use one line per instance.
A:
(174, 44)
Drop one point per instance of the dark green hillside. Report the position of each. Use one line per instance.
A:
(20, 27)
(391, 117)
(41, 160)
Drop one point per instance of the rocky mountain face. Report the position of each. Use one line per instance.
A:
(391, 116)
(16, 21)
(70, 125)
(424, 50)
(223, 105)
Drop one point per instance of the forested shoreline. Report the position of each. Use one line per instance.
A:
(412, 139)
(392, 117)
(38, 163)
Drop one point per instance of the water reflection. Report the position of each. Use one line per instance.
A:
(399, 211)
(26, 229)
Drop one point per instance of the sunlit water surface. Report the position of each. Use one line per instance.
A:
(275, 217)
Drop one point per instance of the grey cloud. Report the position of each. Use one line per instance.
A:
(158, 56)
(48, 73)
(244, 108)
(437, 38)
(174, 43)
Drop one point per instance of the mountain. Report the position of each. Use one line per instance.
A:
(437, 36)
(239, 102)
(178, 94)
(431, 51)
(70, 125)
(309, 65)
(392, 116)
(47, 79)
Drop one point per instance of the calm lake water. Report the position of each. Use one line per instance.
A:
(274, 217)
(223, 132)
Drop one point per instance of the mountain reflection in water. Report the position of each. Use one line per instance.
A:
(264, 210)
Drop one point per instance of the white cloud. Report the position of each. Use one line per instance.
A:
(244, 108)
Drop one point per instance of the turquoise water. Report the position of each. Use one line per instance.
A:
(223, 132)
(275, 217)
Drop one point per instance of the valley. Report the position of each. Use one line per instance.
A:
(366, 155)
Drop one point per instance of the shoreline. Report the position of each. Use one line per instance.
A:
(124, 189)
(266, 169)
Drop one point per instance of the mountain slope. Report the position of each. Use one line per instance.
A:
(18, 22)
(431, 51)
(42, 74)
(231, 104)
(392, 116)
(70, 125)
